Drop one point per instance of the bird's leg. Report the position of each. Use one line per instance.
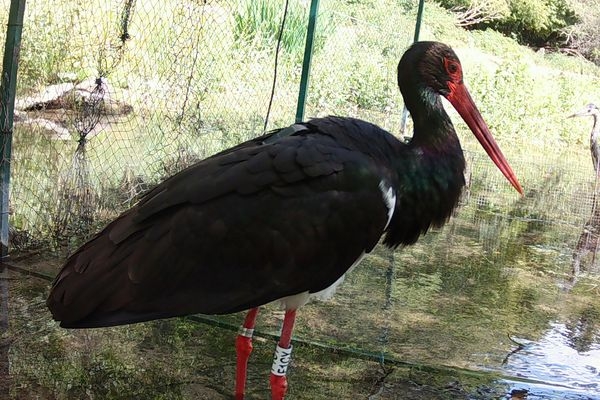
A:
(283, 354)
(243, 347)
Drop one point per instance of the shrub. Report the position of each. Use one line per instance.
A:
(533, 22)
(537, 22)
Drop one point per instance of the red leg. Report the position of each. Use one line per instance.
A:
(283, 355)
(243, 347)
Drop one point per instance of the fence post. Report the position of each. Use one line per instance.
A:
(8, 88)
(310, 37)
(419, 19)
(415, 39)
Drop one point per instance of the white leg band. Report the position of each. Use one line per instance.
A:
(246, 332)
(281, 360)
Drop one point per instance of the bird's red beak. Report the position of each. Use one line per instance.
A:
(460, 98)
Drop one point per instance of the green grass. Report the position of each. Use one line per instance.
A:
(257, 24)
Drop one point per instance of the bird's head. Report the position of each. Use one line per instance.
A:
(430, 69)
(589, 110)
(440, 68)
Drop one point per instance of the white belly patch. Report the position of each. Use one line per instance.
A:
(298, 300)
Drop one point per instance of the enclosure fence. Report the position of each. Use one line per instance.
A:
(115, 96)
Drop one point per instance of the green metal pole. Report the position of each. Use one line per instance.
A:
(415, 39)
(310, 37)
(419, 18)
(8, 88)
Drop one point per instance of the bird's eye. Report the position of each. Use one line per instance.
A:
(452, 68)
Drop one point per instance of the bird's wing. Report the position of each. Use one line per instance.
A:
(232, 232)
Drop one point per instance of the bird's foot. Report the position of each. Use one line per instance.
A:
(278, 386)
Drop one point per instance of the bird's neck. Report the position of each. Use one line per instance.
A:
(431, 178)
(433, 129)
(595, 127)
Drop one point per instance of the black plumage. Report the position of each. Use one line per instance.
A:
(235, 231)
(282, 214)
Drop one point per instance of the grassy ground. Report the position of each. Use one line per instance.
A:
(185, 359)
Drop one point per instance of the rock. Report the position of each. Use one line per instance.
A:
(48, 99)
(67, 109)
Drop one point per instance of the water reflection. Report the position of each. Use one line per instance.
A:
(560, 361)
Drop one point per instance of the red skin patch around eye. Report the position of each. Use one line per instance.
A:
(453, 69)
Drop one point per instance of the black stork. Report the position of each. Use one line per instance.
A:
(281, 217)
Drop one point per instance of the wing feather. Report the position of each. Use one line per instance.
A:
(234, 231)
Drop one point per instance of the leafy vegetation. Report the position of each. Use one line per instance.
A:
(566, 24)
(584, 36)
(198, 79)
(537, 22)
(258, 23)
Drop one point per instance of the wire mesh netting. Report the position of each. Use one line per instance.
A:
(132, 93)
(115, 96)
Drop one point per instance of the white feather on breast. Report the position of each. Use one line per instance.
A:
(298, 300)
(389, 198)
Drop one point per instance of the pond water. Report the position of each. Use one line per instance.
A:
(558, 365)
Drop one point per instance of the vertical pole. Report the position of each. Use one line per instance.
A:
(310, 36)
(8, 88)
(419, 19)
(415, 39)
